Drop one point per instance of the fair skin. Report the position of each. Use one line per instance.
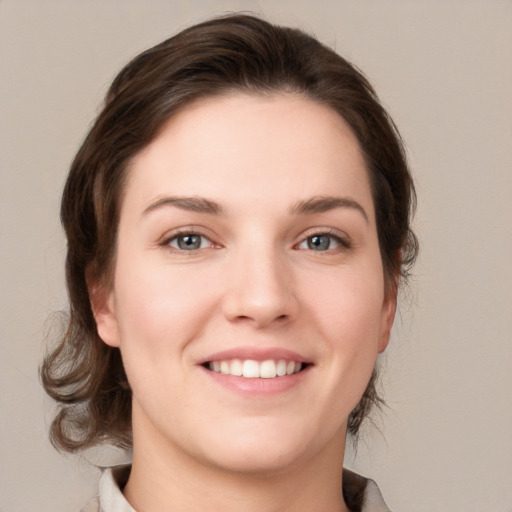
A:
(247, 234)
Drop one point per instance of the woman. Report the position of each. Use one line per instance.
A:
(238, 226)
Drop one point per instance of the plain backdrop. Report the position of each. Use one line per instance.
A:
(444, 71)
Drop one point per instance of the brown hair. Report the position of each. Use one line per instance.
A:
(233, 53)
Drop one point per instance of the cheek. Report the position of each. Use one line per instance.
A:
(159, 307)
(159, 311)
(348, 302)
(348, 314)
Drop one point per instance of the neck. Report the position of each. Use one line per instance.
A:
(167, 479)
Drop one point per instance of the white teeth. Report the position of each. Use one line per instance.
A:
(281, 368)
(268, 369)
(237, 367)
(252, 369)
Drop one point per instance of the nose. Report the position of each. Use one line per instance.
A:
(260, 289)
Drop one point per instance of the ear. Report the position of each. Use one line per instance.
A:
(387, 319)
(104, 311)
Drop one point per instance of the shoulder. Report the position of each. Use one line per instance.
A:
(110, 497)
(91, 506)
(362, 494)
(373, 500)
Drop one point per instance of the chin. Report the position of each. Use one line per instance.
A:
(265, 448)
(258, 461)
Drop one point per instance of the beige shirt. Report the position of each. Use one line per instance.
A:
(361, 494)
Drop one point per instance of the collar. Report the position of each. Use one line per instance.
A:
(361, 494)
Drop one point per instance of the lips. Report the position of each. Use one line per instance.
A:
(252, 369)
(256, 363)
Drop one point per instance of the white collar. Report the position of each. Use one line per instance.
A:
(111, 499)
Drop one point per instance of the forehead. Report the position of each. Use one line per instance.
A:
(245, 147)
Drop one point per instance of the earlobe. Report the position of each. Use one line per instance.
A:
(103, 309)
(388, 317)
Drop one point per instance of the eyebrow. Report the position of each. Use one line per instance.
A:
(317, 204)
(322, 204)
(192, 204)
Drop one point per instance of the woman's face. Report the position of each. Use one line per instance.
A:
(248, 295)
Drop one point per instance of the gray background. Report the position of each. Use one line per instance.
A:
(444, 70)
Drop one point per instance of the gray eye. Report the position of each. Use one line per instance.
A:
(189, 242)
(319, 242)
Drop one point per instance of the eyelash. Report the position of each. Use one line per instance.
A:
(184, 233)
(343, 243)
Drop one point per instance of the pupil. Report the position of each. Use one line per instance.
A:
(189, 242)
(319, 242)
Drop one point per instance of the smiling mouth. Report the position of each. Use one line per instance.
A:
(252, 369)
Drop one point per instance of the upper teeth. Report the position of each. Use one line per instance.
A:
(256, 369)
